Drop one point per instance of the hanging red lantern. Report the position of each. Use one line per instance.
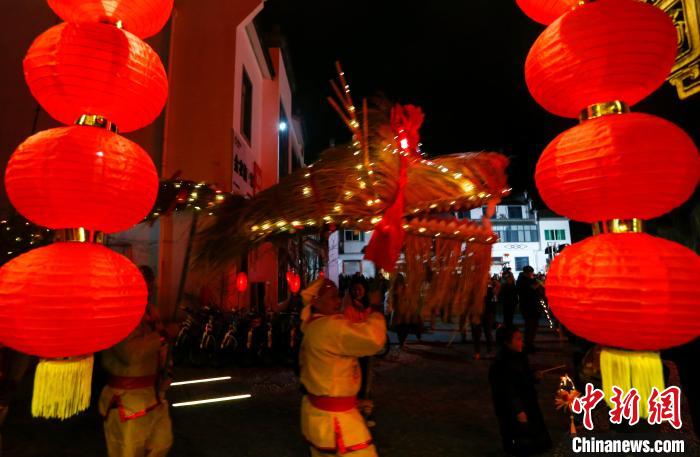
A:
(81, 176)
(618, 167)
(63, 302)
(242, 282)
(69, 299)
(121, 78)
(294, 281)
(602, 51)
(627, 290)
(143, 18)
(546, 11)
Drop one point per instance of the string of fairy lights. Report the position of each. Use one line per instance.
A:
(18, 235)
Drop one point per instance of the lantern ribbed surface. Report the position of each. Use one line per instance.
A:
(76, 69)
(69, 299)
(630, 291)
(600, 52)
(546, 11)
(81, 177)
(143, 18)
(618, 167)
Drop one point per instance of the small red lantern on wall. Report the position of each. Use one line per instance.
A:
(121, 78)
(603, 51)
(242, 282)
(81, 176)
(618, 167)
(143, 18)
(294, 281)
(546, 11)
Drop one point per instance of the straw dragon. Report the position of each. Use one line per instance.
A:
(356, 186)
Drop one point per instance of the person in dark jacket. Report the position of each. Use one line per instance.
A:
(488, 317)
(515, 399)
(508, 298)
(529, 297)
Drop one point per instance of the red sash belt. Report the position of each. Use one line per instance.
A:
(116, 403)
(333, 404)
(132, 382)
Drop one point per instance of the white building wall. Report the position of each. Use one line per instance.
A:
(509, 251)
(352, 252)
(249, 151)
(554, 224)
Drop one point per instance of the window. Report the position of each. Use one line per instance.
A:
(521, 262)
(555, 235)
(354, 235)
(283, 159)
(517, 233)
(515, 212)
(247, 107)
(350, 267)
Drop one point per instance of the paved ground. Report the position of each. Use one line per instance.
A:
(430, 401)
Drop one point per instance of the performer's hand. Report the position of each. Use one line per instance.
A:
(522, 417)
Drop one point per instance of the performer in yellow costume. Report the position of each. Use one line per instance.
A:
(137, 421)
(330, 373)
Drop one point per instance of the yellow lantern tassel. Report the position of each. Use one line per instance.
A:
(628, 369)
(62, 387)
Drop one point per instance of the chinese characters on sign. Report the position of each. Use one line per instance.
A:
(246, 181)
(663, 406)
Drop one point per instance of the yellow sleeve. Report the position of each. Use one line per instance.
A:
(363, 338)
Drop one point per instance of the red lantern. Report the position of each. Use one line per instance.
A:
(294, 281)
(630, 291)
(546, 11)
(602, 51)
(81, 176)
(69, 299)
(96, 69)
(242, 282)
(143, 18)
(618, 167)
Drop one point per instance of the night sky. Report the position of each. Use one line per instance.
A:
(462, 62)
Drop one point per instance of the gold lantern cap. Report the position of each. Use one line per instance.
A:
(79, 235)
(95, 120)
(619, 226)
(597, 110)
